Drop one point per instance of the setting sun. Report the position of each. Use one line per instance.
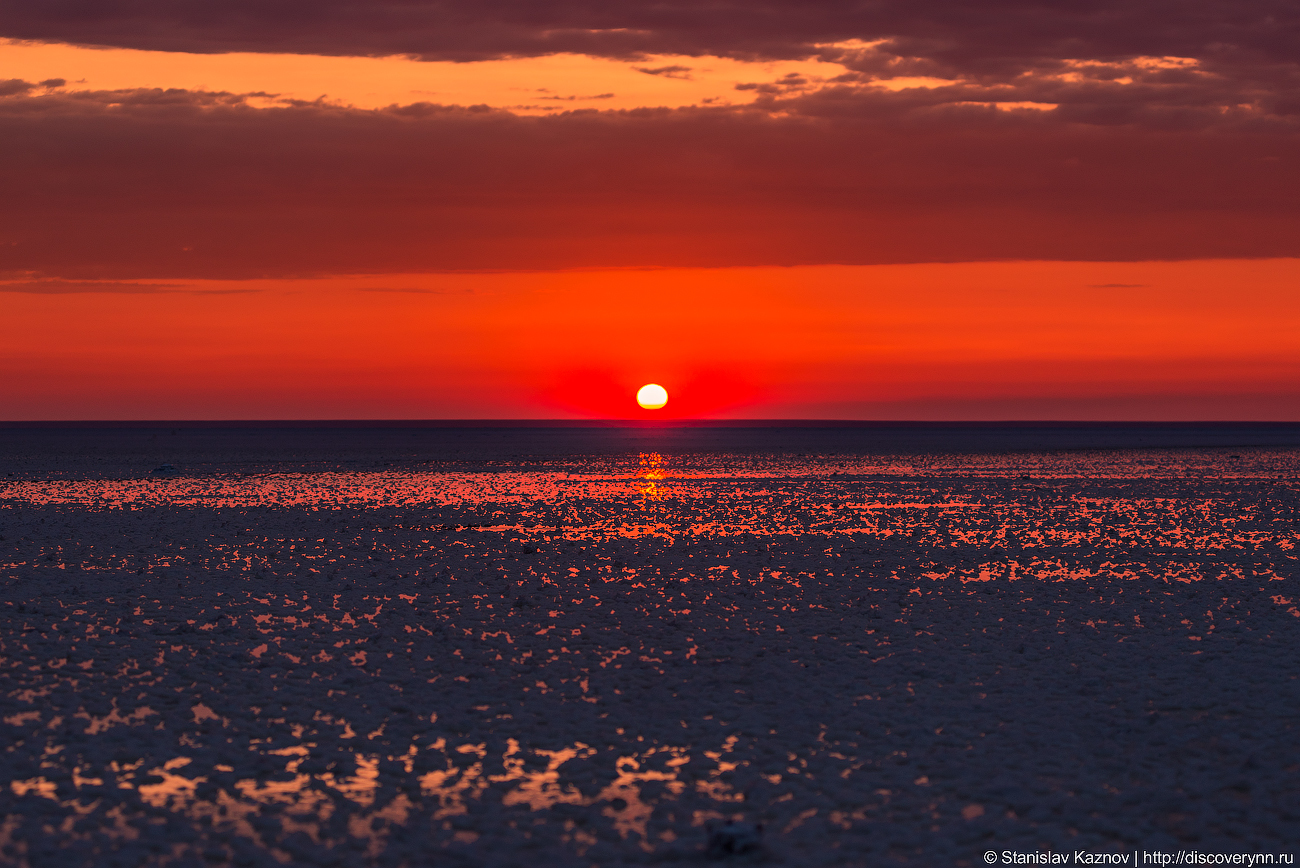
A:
(652, 396)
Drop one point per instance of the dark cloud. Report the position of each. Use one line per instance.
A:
(1100, 61)
(674, 71)
(156, 184)
(993, 38)
(11, 86)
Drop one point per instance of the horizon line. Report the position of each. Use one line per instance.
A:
(195, 424)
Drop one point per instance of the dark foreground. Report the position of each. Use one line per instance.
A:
(388, 656)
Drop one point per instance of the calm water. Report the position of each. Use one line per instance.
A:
(366, 652)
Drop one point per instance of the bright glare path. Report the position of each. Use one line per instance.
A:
(652, 396)
(536, 85)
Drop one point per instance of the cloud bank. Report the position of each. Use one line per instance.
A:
(158, 183)
(994, 39)
(1026, 130)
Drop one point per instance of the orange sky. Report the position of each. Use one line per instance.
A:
(939, 341)
(532, 85)
(339, 223)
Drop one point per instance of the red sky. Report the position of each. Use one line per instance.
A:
(419, 210)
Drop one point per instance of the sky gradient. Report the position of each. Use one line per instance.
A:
(812, 210)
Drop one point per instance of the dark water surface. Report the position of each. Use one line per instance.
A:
(463, 646)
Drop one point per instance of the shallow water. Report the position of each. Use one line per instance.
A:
(584, 658)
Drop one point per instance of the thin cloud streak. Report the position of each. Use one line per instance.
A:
(65, 287)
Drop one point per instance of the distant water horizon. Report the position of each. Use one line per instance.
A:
(642, 423)
(104, 448)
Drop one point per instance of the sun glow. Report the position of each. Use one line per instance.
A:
(652, 396)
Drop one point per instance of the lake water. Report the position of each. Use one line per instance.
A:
(548, 646)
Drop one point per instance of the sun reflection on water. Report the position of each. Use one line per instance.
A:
(652, 473)
(310, 803)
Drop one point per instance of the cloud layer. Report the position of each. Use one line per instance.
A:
(157, 183)
(1121, 53)
(1021, 130)
(996, 39)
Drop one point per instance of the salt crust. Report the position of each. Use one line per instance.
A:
(912, 659)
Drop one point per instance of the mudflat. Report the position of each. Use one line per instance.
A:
(594, 651)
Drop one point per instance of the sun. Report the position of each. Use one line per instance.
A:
(652, 396)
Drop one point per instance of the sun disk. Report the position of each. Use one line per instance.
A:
(652, 396)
